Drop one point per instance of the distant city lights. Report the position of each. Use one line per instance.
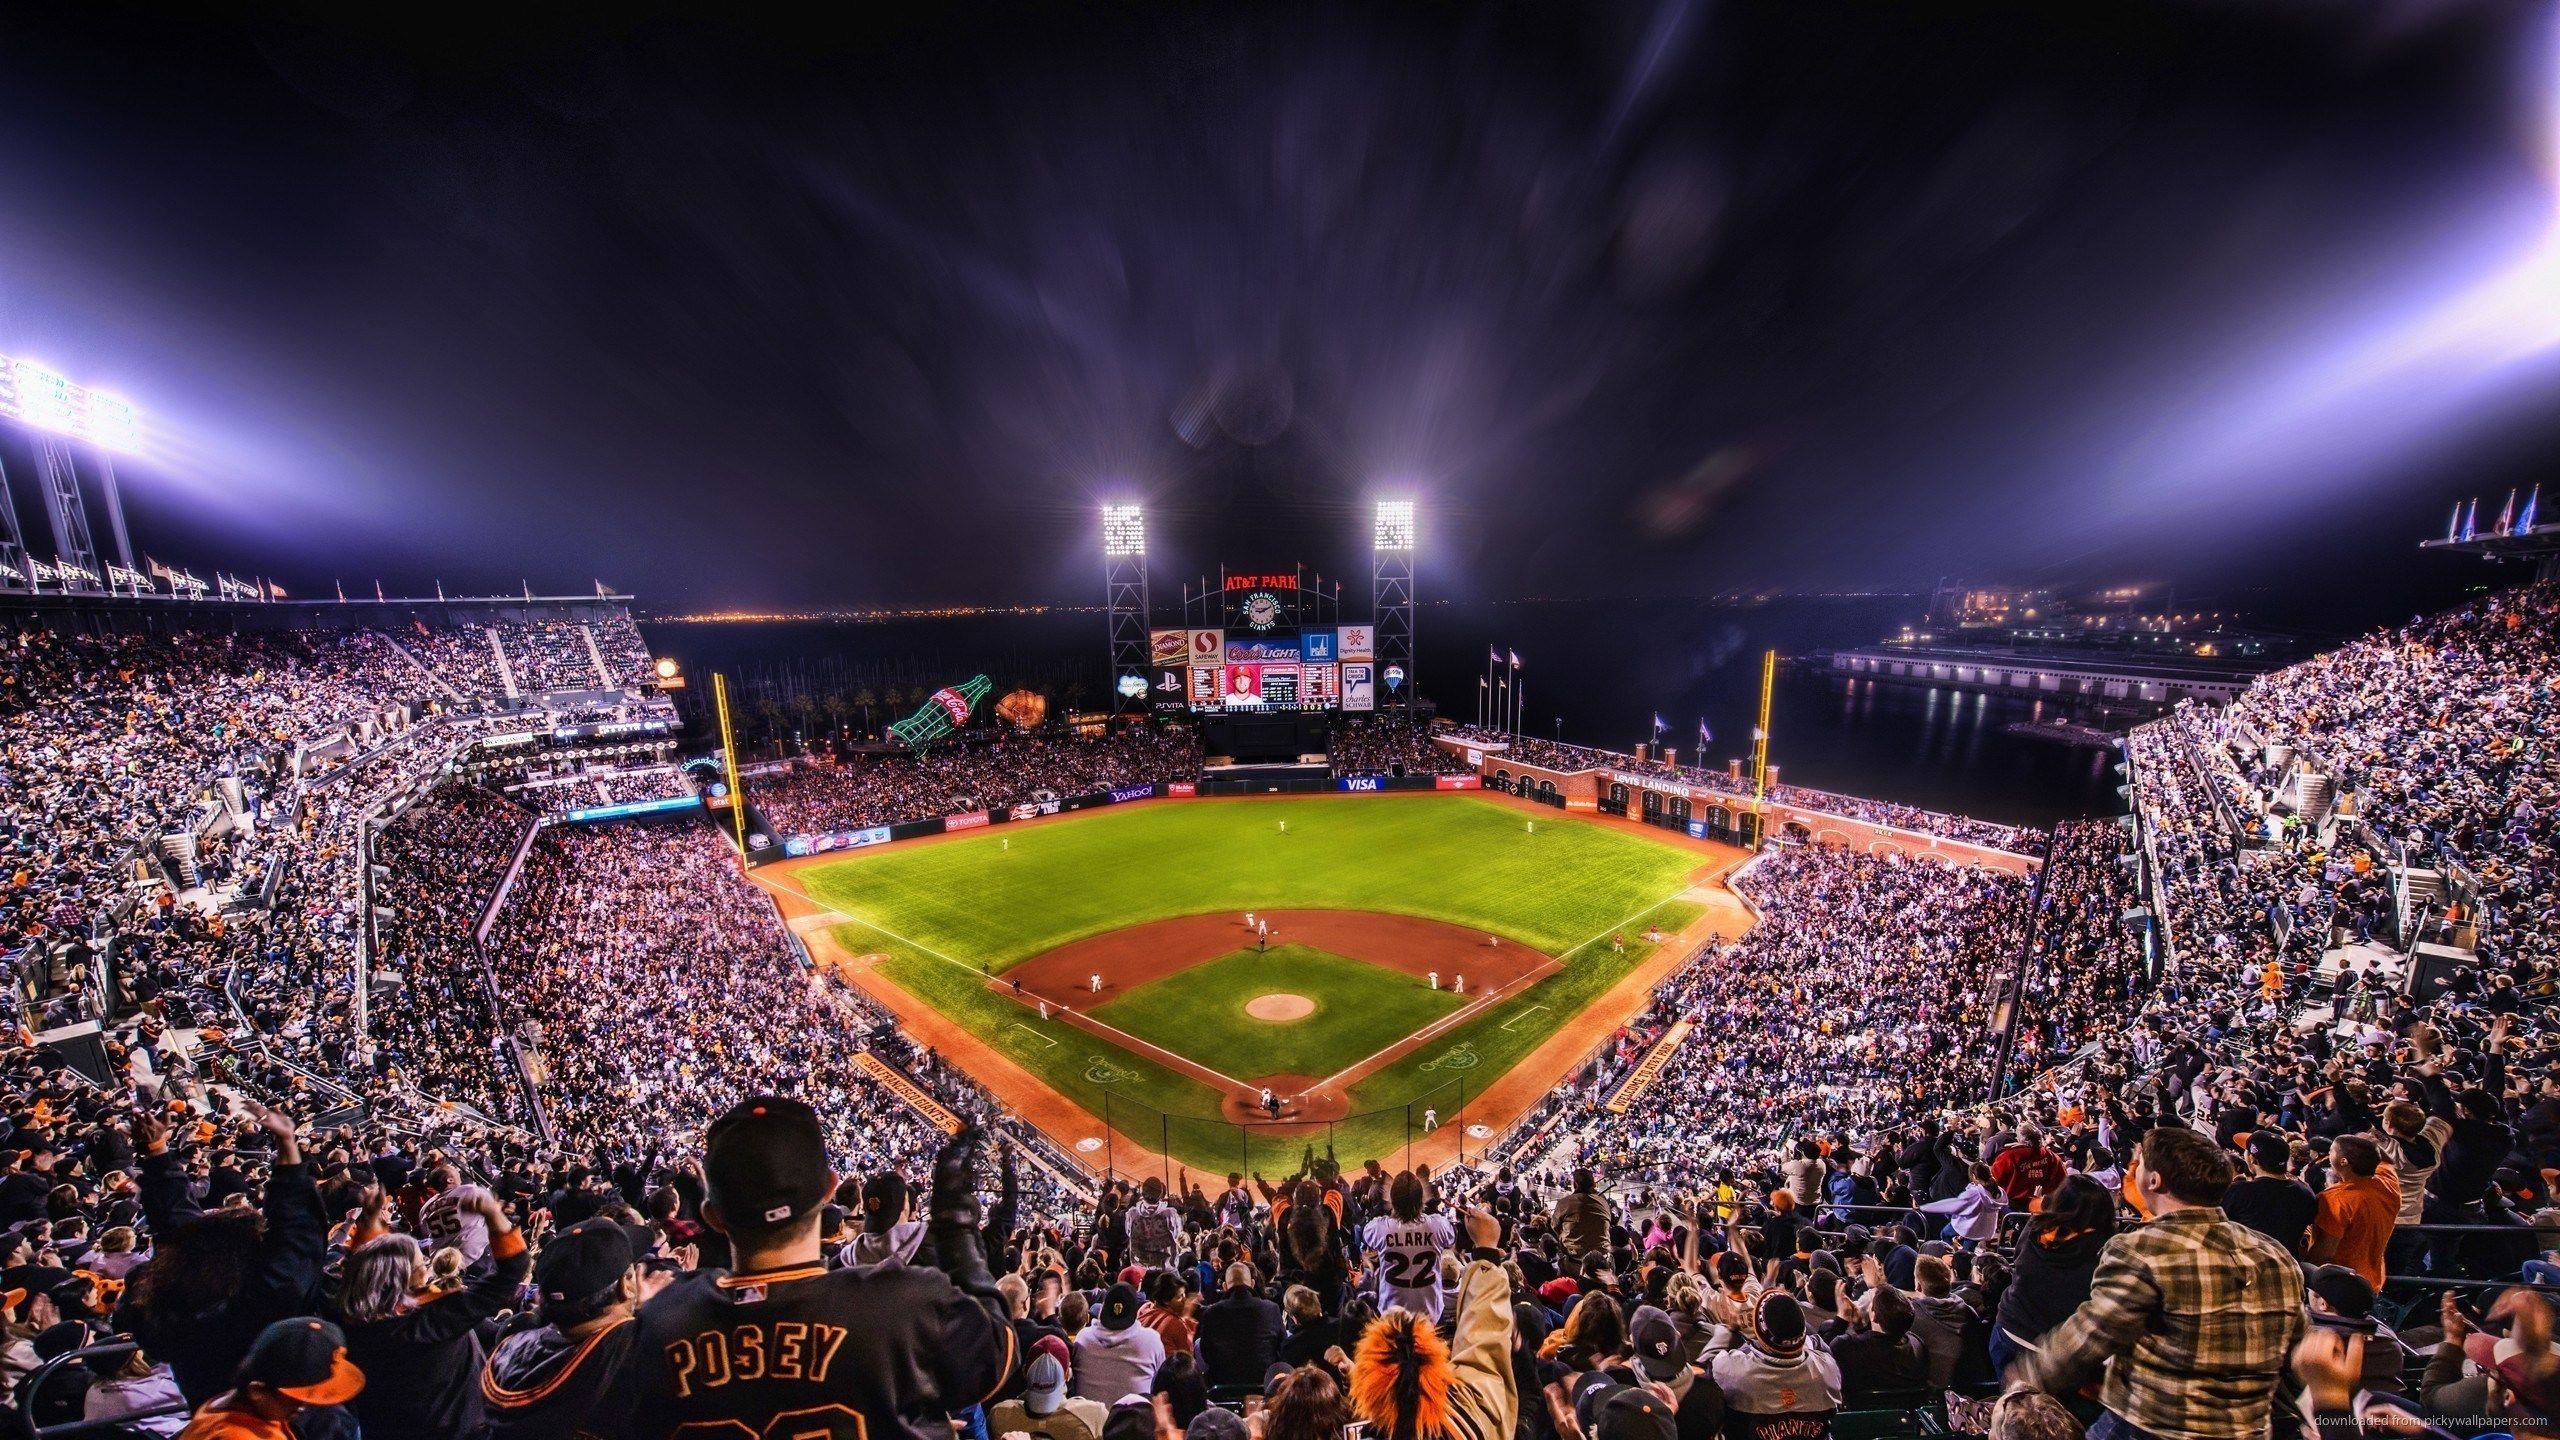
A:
(1124, 530)
(34, 395)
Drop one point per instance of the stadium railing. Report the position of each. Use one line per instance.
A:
(40, 1379)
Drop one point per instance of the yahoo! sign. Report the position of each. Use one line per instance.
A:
(1133, 792)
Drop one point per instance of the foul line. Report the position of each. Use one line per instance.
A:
(1082, 1020)
(1519, 986)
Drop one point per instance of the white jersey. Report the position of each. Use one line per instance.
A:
(1408, 1260)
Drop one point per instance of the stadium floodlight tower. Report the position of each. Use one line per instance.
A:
(1124, 600)
(62, 413)
(1391, 600)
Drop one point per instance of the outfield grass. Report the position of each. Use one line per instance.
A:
(1199, 1014)
(1016, 891)
(940, 911)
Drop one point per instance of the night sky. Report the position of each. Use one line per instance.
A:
(1635, 298)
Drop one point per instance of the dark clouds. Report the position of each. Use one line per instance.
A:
(1660, 296)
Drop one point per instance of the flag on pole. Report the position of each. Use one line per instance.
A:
(342, 590)
(377, 589)
(1493, 654)
(2453, 527)
(1515, 659)
(1657, 722)
(1706, 737)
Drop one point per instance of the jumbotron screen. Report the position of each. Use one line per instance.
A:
(1263, 658)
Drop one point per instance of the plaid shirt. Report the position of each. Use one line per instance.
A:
(2198, 1315)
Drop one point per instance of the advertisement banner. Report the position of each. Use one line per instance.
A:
(1127, 793)
(970, 821)
(1456, 782)
(1205, 686)
(1170, 688)
(1316, 647)
(1359, 687)
(636, 807)
(1033, 809)
(1181, 789)
(1243, 685)
(1208, 647)
(1362, 784)
(1245, 650)
(1359, 642)
(1168, 647)
(825, 841)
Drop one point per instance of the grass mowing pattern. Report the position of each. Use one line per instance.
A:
(1361, 1009)
(1001, 897)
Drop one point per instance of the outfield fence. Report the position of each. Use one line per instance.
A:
(1138, 1139)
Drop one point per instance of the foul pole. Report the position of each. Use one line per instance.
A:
(1760, 747)
(729, 758)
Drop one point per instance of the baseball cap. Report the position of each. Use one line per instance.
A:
(1120, 1307)
(1635, 1414)
(2348, 1295)
(1657, 1343)
(1781, 1324)
(2269, 1150)
(306, 1359)
(1053, 1347)
(2499, 1357)
(765, 1162)
(1215, 1423)
(1044, 1385)
(884, 1199)
(582, 1262)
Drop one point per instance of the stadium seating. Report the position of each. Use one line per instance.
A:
(252, 847)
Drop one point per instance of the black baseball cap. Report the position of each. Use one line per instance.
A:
(1120, 1307)
(765, 1162)
(306, 1359)
(2348, 1295)
(1635, 1414)
(583, 1262)
(1657, 1344)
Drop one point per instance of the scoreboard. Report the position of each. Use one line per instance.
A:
(1262, 657)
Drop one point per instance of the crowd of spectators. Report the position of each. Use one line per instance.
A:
(2437, 739)
(442, 862)
(2203, 1206)
(549, 655)
(1863, 993)
(1001, 770)
(1570, 759)
(1381, 745)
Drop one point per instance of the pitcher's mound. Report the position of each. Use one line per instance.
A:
(1279, 1007)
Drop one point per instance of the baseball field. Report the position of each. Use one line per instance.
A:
(1404, 952)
